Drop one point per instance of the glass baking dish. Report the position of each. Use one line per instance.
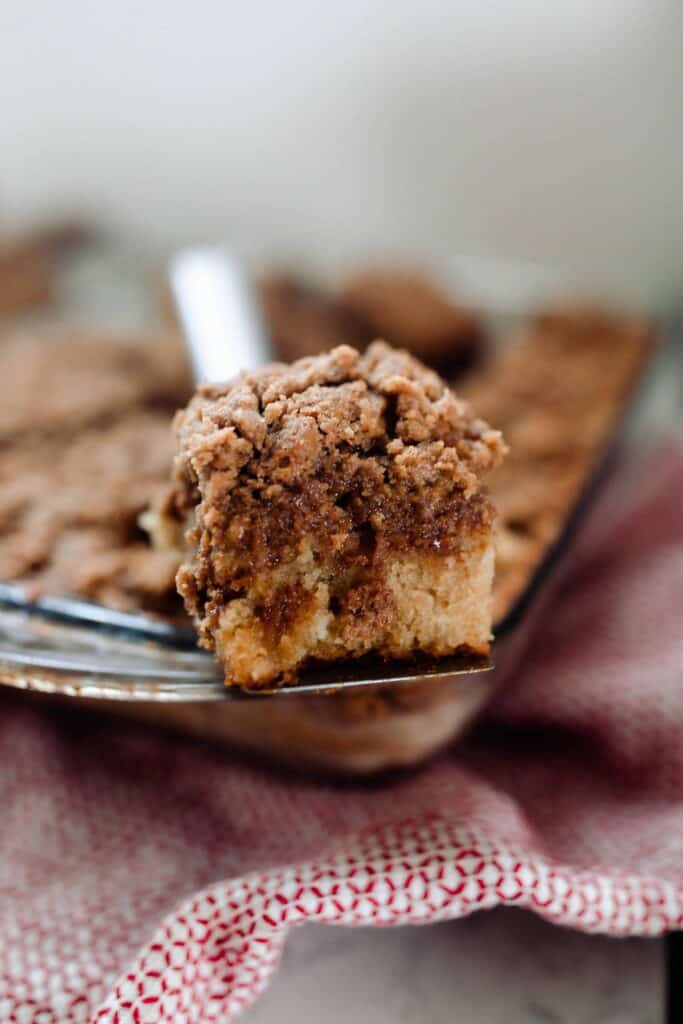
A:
(383, 726)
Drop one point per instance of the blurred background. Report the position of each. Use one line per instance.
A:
(505, 131)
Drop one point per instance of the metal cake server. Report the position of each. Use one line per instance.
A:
(73, 648)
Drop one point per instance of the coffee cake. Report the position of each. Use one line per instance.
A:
(334, 508)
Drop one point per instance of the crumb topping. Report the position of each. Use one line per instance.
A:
(85, 445)
(366, 454)
(412, 312)
(378, 404)
(305, 320)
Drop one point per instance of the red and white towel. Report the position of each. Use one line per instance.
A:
(148, 879)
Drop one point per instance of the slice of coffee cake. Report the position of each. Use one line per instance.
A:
(334, 508)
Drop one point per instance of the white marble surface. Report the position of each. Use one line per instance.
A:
(497, 967)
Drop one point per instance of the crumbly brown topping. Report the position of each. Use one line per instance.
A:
(555, 390)
(403, 307)
(364, 454)
(54, 383)
(29, 266)
(411, 312)
(85, 444)
(304, 320)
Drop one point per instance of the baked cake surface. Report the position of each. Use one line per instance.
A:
(411, 311)
(556, 389)
(305, 320)
(85, 446)
(402, 306)
(333, 508)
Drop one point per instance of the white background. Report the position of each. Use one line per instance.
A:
(549, 132)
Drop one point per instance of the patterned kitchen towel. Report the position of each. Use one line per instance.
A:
(150, 879)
